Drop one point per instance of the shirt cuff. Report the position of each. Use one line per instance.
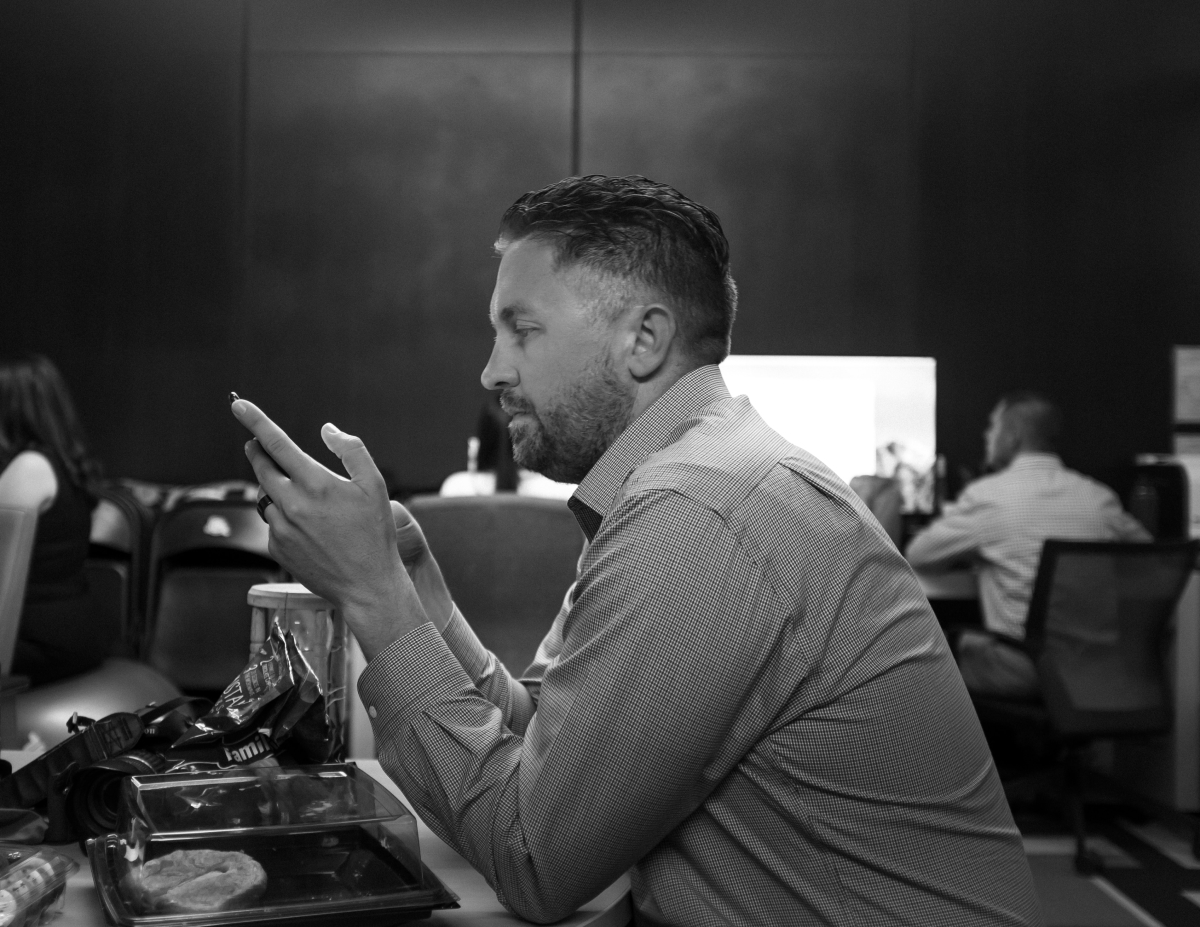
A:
(409, 671)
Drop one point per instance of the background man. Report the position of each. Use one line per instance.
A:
(1000, 522)
(745, 701)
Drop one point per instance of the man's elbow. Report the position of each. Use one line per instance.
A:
(544, 898)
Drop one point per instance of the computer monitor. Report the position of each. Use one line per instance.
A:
(859, 415)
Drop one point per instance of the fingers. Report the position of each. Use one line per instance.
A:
(276, 444)
(355, 458)
(273, 481)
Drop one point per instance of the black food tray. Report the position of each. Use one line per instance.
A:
(341, 876)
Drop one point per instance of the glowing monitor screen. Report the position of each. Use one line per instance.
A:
(859, 415)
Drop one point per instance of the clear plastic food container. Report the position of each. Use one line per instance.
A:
(31, 883)
(304, 845)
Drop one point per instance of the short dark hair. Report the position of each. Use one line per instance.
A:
(1031, 418)
(635, 229)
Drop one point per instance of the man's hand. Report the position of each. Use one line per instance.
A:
(336, 535)
(422, 567)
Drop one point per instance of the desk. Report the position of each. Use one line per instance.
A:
(954, 596)
(611, 908)
(953, 584)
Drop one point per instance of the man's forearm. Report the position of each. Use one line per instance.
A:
(459, 765)
(490, 676)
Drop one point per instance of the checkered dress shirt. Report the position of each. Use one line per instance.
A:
(999, 523)
(745, 702)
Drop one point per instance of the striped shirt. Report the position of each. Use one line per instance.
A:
(999, 523)
(745, 702)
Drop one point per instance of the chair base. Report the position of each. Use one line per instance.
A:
(118, 684)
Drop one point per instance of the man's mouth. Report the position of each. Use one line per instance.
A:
(514, 408)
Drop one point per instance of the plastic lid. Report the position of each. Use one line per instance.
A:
(285, 595)
(258, 798)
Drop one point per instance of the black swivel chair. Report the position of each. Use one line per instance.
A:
(1098, 631)
(507, 560)
(116, 564)
(119, 683)
(204, 557)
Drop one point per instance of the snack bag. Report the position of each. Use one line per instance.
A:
(260, 708)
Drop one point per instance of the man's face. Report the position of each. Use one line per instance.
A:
(553, 362)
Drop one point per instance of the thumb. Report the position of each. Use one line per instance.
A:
(354, 455)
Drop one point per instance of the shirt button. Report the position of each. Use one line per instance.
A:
(372, 712)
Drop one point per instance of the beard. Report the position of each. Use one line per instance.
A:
(564, 440)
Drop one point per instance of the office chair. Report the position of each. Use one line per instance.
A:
(508, 560)
(204, 557)
(116, 685)
(1098, 631)
(116, 565)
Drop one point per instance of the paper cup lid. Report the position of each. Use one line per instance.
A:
(286, 595)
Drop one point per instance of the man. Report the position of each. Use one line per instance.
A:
(745, 702)
(999, 524)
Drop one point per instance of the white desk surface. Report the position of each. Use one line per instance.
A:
(479, 907)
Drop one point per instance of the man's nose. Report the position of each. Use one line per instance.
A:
(498, 374)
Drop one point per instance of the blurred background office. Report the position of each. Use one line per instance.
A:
(297, 200)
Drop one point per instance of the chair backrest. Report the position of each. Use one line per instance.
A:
(206, 526)
(116, 566)
(204, 558)
(508, 560)
(1097, 626)
(17, 530)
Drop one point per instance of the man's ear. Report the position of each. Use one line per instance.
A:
(652, 330)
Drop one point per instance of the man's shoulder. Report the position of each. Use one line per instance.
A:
(989, 486)
(1060, 477)
(719, 456)
(726, 457)
(1088, 482)
(1052, 486)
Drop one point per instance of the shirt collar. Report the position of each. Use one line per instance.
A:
(657, 427)
(1030, 460)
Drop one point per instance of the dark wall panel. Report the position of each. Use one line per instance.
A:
(1056, 151)
(792, 122)
(120, 218)
(808, 28)
(376, 187)
(805, 160)
(296, 199)
(372, 27)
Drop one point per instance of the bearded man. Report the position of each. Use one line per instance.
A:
(745, 701)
